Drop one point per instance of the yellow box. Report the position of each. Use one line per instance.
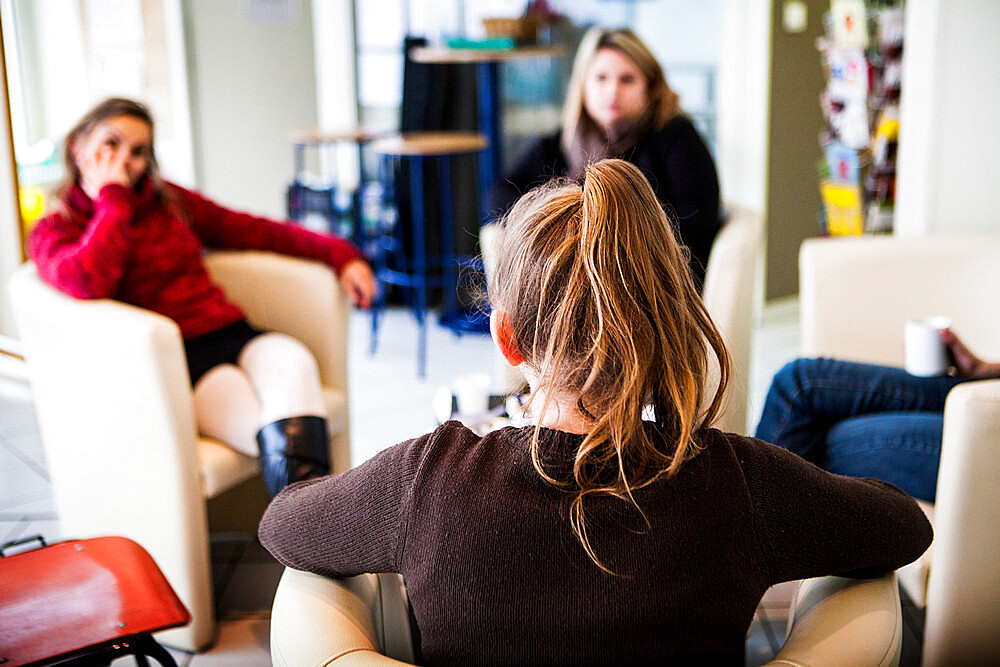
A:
(842, 202)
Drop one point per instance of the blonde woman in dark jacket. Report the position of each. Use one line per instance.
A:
(620, 105)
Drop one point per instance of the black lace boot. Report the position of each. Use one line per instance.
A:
(293, 449)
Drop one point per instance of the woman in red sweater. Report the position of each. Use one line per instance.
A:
(122, 232)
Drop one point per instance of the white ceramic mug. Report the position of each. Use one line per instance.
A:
(926, 354)
(472, 393)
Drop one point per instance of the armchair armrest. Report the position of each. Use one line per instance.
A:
(360, 620)
(963, 592)
(840, 621)
(318, 315)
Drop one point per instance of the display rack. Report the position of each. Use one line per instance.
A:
(862, 57)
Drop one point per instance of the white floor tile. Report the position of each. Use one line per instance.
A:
(241, 643)
(18, 478)
(389, 403)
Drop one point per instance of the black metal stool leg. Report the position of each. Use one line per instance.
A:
(150, 647)
(419, 260)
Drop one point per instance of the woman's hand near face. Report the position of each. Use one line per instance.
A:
(119, 150)
(359, 281)
(102, 163)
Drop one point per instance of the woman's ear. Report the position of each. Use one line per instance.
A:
(503, 336)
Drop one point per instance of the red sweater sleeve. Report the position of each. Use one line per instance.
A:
(85, 259)
(222, 228)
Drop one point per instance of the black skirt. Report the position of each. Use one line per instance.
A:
(221, 346)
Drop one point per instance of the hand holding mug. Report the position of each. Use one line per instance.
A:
(964, 362)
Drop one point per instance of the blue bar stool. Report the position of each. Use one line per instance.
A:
(341, 208)
(420, 271)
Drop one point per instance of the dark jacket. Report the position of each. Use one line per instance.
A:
(674, 159)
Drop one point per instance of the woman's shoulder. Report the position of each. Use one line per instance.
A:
(761, 463)
(679, 124)
(677, 130)
(747, 452)
(454, 446)
(180, 192)
(455, 440)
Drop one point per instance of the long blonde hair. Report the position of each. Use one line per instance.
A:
(663, 101)
(601, 305)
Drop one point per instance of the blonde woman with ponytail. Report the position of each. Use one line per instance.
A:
(594, 536)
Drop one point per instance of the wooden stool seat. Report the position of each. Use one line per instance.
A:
(431, 144)
(357, 135)
(88, 600)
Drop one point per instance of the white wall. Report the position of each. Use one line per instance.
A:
(10, 241)
(744, 68)
(253, 84)
(948, 166)
(333, 34)
(681, 31)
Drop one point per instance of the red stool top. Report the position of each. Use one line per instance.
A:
(69, 596)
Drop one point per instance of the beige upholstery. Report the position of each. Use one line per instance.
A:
(855, 295)
(359, 620)
(729, 296)
(363, 621)
(839, 621)
(115, 412)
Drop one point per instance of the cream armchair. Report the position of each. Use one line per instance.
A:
(855, 295)
(729, 294)
(364, 621)
(115, 410)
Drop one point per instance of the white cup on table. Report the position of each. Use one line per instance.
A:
(472, 393)
(926, 354)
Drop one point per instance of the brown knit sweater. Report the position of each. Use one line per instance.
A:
(496, 576)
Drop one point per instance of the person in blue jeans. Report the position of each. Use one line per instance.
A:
(864, 420)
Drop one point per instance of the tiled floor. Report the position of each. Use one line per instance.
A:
(244, 574)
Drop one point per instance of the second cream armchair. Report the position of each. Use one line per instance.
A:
(855, 296)
(115, 410)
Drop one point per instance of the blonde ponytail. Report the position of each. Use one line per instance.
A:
(602, 305)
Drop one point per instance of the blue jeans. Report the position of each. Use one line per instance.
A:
(860, 420)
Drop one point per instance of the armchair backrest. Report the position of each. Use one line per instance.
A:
(729, 296)
(262, 282)
(115, 414)
(855, 294)
(963, 590)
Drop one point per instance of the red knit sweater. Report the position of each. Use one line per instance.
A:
(146, 250)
